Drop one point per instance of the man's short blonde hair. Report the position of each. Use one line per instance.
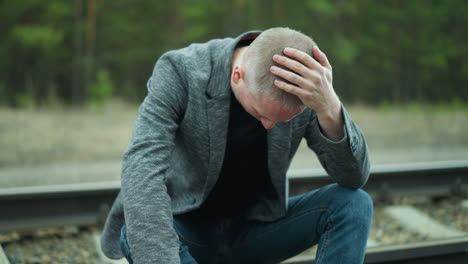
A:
(259, 58)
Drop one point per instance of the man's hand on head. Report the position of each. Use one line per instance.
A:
(311, 80)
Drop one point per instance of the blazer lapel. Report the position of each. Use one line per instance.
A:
(279, 147)
(218, 121)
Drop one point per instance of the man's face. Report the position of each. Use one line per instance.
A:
(265, 109)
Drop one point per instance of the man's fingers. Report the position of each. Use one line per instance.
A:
(321, 57)
(293, 77)
(301, 93)
(302, 57)
(291, 64)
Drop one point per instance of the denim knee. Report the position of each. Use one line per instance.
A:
(358, 201)
(363, 201)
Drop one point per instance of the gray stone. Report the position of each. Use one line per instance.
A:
(414, 220)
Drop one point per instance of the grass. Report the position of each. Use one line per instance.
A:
(41, 136)
(412, 126)
(46, 136)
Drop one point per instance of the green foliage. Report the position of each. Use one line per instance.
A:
(415, 107)
(385, 106)
(34, 51)
(36, 36)
(459, 105)
(383, 52)
(102, 89)
(322, 7)
(346, 51)
(3, 93)
(25, 100)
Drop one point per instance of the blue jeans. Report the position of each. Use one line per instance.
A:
(336, 218)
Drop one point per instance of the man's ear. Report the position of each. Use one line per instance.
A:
(237, 75)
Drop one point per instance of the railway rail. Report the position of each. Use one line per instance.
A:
(453, 251)
(29, 208)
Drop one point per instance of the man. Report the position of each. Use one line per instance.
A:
(204, 177)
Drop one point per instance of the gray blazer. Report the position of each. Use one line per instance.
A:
(176, 152)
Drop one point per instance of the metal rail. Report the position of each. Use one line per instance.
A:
(453, 251)
(385, 182)
(28, 208)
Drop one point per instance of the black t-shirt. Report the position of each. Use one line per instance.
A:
(244, 175)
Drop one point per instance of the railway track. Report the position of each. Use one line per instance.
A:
(29, 208)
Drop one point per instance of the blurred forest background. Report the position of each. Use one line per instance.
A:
(79, 51)
(72, 73)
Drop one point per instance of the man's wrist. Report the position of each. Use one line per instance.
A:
(331, 122)
(331, 114)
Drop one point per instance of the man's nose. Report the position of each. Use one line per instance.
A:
(267, 124)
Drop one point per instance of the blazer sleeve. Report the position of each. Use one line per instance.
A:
(147, 205)
(347, 160)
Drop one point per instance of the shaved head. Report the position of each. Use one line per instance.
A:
(259, 58)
